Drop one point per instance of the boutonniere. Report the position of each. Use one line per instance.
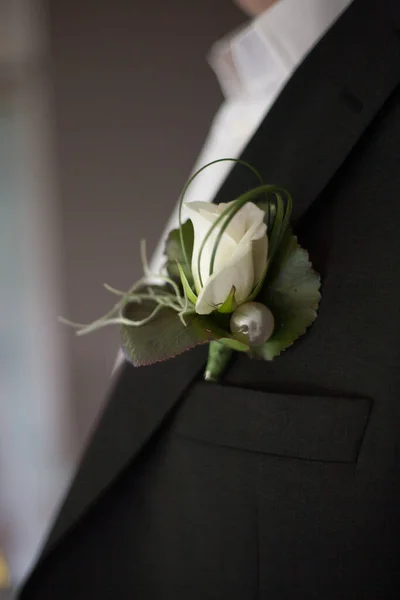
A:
(235, 277)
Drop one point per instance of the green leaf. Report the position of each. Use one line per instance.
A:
(291, 292)
(165, 336)
(185, 284)
(230, 303)
(174, 254)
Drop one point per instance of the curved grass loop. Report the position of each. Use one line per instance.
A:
(190, 181)
(277, 216)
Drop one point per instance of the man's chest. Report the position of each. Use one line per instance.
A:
(351, 235)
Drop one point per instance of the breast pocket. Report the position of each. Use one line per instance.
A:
(322, 428)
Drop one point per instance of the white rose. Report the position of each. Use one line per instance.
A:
(240, 258)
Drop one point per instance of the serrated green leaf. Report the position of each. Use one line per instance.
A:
(165, 336)
(185, 284)
(291, 292)
(174, 254)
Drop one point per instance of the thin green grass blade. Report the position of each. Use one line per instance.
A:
(259, 285)
(190, 181)
(185, 284)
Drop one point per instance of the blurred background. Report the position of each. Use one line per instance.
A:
(104, 106)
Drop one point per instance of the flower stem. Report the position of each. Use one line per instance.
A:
(219, 356)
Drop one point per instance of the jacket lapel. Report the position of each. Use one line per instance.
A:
(329, 103)
(142, 400)
(326, 106)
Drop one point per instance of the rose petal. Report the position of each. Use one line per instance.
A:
(257, 234)
(226, 247)
(247, 217)
(237, 272)
(251, 214)
(211, 212)
(240, 257)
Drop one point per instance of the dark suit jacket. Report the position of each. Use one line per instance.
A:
(282, 482)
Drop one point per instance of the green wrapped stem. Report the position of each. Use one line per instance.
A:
(219, 356)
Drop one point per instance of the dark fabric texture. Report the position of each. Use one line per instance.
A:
(283, 481)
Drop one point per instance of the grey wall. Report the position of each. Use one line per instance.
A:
(133, 100)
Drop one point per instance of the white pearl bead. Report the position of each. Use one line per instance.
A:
(252, 323)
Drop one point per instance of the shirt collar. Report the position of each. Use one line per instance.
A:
(263, 53)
